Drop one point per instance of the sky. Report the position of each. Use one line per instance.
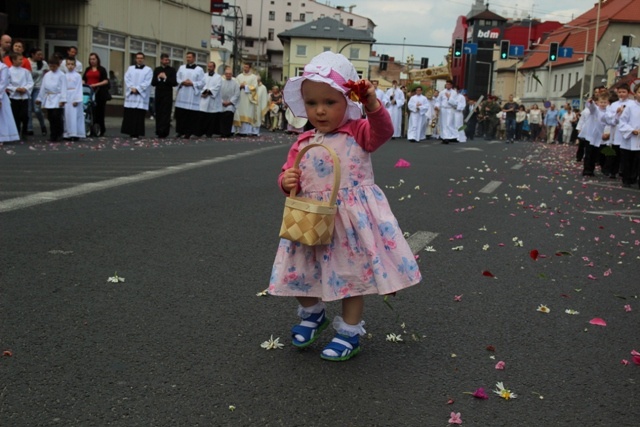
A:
(433, 21)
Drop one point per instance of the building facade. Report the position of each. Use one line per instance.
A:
(114, 29)
(263, 20)
(302, 43)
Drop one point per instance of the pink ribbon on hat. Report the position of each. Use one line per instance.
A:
(324, 71)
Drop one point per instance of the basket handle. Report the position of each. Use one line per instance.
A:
(336, 170)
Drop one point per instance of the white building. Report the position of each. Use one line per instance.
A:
(262, 20)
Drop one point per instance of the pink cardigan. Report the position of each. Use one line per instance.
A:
(369, 133)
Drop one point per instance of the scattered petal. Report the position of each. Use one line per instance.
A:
(429, 249)
(504, 392)
(232, 408)
(607, 273)
(570, 311)
(263, 293)
(491, 348)
(592, 277)
(598, 321)
(402, 164)
(487, 273)
(480, 394)
(485, 247)
(543, 309)
(625, 362)
(500, 365)
(635, 356)
(534, 254)
(455, 418)
(627, 307)
(457, 297)
(394, 338)
(457, 248)
(115, 279)
(7, 353)
(272, 344)
(450, 402)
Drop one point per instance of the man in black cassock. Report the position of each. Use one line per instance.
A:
(164, 80)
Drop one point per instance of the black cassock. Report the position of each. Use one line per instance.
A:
(164, 99)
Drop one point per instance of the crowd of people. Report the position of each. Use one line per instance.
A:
(203, 103)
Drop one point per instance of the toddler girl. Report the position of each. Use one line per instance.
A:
(368, 254)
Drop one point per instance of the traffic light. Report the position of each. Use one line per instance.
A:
(553, 51)
(424, 63)
(504, 49)
(384, 59)
(457, 48)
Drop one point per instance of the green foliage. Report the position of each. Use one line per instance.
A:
(268, 81)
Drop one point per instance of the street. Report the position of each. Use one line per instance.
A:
(192, 228)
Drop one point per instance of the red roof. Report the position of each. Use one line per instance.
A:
(611, 11)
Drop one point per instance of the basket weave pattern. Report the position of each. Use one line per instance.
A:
(309, 221)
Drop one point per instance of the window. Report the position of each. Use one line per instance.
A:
(248, 43)
(249, 20)
(148, 48)
(569, 83)
(301, 4)
(272, 15)
(301, 50)
(354, 53)
(555, 83)
(561, 81)
(303, 17)
(110, 49)
(288, 3)
(577, 78)
(326, 49)
(287, 17)
(350, 22)
(299, 71)
(271, 34)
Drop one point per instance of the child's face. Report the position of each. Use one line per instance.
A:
(54, 67)
(603, 103)
(18, 61)
(325, 106)
(71, 65)
(623, 94)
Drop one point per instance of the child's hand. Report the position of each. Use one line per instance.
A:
(371, 102)
(290, 179)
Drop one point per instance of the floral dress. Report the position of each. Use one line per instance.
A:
(368, 254)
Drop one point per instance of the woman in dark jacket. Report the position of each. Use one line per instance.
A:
(96, 76)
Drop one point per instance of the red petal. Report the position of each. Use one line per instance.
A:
(534, 254)
(487, 273)
(491, 348)
(450, 402)
(598, 321)
(7, 353)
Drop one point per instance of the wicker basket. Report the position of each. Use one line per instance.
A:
(309, 221)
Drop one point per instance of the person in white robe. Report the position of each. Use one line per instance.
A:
(395, 102)
(380, 94)
(446, 105)
(137, 93)
(210, 102)
(74, 127)
(230, 96)
(247, 117)
(419, 108)
(458, 115)
(8, 129)
(190, 80)
(263, 101)
(53, 97)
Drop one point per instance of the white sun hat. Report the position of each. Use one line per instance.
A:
(330, 68)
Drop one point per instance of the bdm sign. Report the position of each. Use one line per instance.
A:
(488, 34)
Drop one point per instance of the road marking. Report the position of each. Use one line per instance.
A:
(420, 239)
(460, 150)
(490, 187)
(631, 213)
(64, 193)
(518, 166)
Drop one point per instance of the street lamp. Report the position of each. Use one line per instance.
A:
(584, 63)
(595, 47)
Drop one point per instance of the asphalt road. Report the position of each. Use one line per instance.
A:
(192, 228)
